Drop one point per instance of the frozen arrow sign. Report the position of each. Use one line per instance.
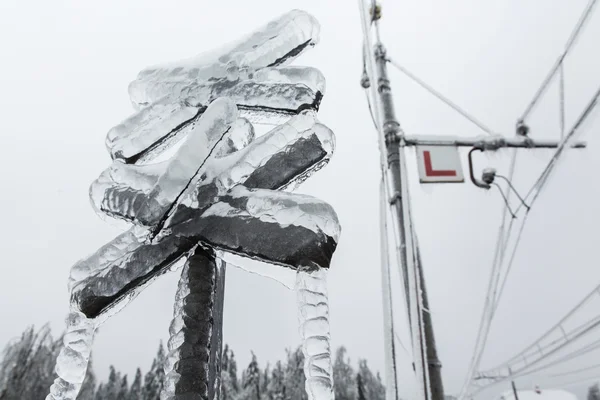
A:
(439, 164)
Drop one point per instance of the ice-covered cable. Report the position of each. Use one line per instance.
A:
(313, 318)
(72, 362)
(504, 233)
(575, 131)
(389, 333)
(441, 97)
(545, 346)
(570, 43)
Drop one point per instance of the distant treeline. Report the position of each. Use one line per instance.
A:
(27, 371)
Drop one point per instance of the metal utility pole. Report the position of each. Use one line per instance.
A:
(393, 136)
(392, 143)
(514, 387)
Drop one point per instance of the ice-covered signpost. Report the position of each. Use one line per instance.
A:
(221, 192)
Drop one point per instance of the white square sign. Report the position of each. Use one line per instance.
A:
(439, 164)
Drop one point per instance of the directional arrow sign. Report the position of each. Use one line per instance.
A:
(439, 164)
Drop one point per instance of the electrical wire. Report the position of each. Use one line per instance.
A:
(402, 345)
(587, 12)
(538, 185)
(491, 300)
(441, 97)
(371, 110)
(535, 353)
(576, 371)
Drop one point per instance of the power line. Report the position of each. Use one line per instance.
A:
(576, 371)
(536, 352)
(488, 315)
(441, 97)
(570, 43)
(536, 189)
(491, 300)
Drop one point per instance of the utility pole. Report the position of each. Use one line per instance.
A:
(512, 383)
(393, 136)
(392, 143)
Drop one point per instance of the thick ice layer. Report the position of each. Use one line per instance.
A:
(149, 131)
(195, 332)
(285, 276)
(97, 293)
(118, 194)
(283, 209)
(274, 91)
(278, 42)
(123, 244)
(281, 157)
(73, 359)
(217, 193)
(201, 142)
(292, 228)
(313, 317)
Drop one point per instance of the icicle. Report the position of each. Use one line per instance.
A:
(313, 317)
(73, 359)
(193, 362)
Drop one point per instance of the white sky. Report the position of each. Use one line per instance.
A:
(64, 71)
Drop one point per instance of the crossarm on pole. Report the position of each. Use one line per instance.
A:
(487, 143)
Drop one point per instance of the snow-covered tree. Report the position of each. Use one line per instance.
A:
(155, 378)
(112, 387)
(233, 371)
(344, 377)
(123, 392)
(594, 392)
(27, 365)
(294, 375)
(100, 392)
(276, 385)
(251, 381)
(360, 387)
(136, 387)
(229, 385)
(265, 377)
(372, 384)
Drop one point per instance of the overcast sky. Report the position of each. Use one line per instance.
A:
(64, 71)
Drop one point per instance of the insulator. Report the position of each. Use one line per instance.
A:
(522, 129)
(365, 82)
(488, 175)
(377, 14)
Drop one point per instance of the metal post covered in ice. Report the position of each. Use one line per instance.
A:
(221, 193)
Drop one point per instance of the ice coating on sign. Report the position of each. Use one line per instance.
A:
(280, 208)
(277, 43)
(115, 195)
(293, 229)
(313, 317)
(73, 358)
(218, 193)
(141, 133)
(294, 149)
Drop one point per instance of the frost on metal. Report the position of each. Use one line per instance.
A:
(313, 317)
(219, 194)
(192, 365)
